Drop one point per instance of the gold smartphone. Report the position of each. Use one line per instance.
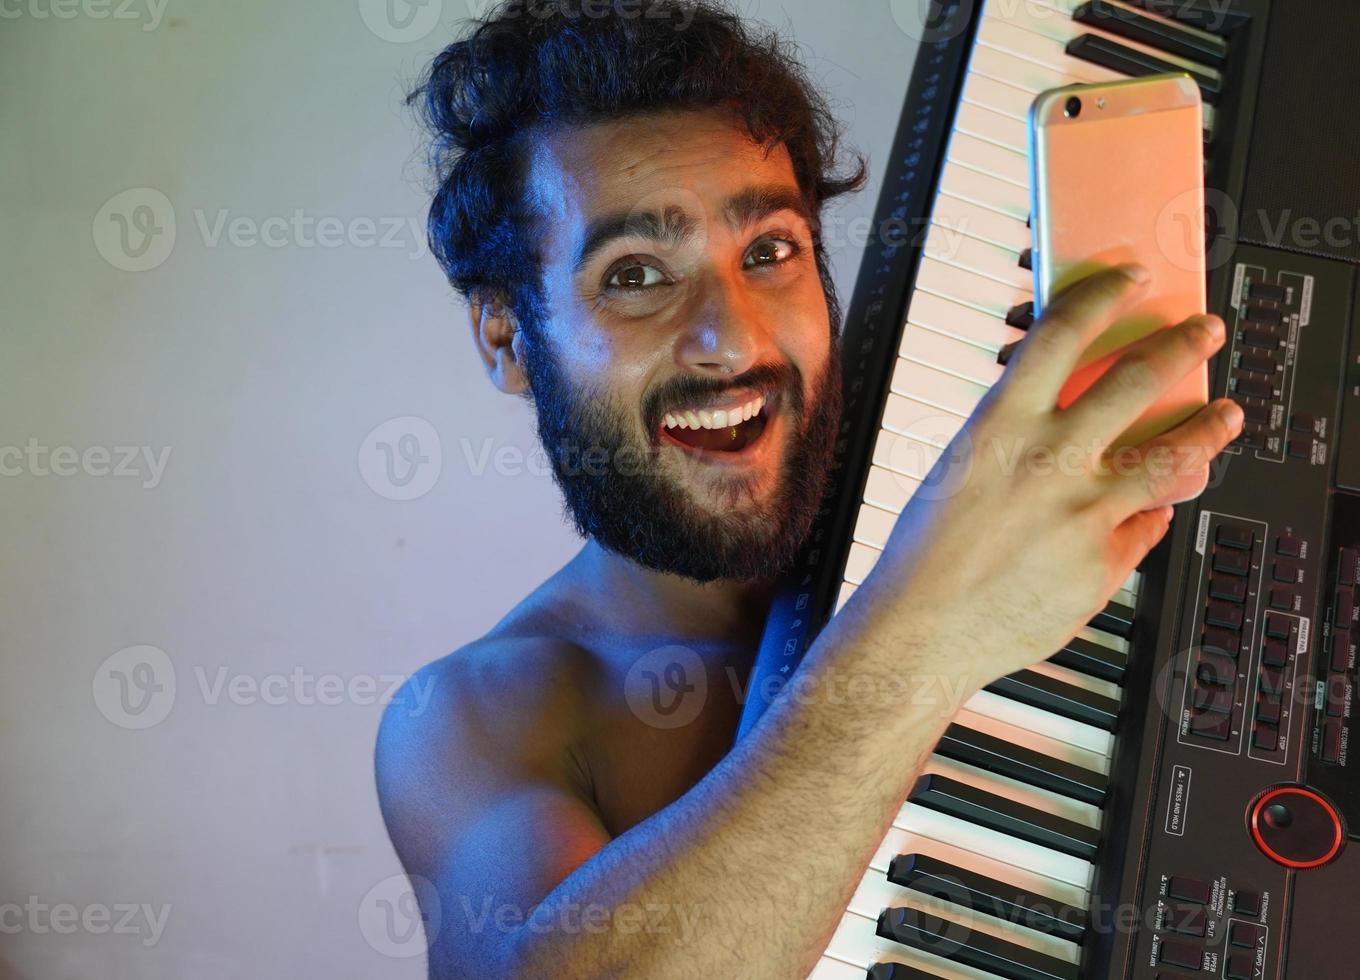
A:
(1117, 175)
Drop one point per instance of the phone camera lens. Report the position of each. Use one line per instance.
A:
(1073, 107)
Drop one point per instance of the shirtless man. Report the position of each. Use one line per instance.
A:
(631, 256)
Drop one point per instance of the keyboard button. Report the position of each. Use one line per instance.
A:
(1337, 686)
(1302, 422)
(1247, 903)
(1268, 710)
(1255, 388)
(1251, 437)
(1288, 545)
(1232, 562)
(1189, 889)
(1231, 589)
(1341, 650)
(1266, 737)
(1256, 414)
(1300, 447)
(1330, 741)
(1265, 314)
(1216, 670)
(1187, 921)
(1223, 642)
(1272, 680)
(1285, 571)
(1235, 537)
(1260, 339)
(1282, 599)
(1174, 953)
(1350, 559)
(1215, 726)
(1208, 697)
(1245, 935)
(1344, 610)
(1274, 653)
(1224, 614)
(1240, 966)
(1277, 626)
(1266, 291)
(1258, 363)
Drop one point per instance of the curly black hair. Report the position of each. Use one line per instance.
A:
(531, 64)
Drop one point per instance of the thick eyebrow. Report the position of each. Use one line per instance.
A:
(672, 226)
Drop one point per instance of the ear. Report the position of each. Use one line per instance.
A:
(496, 334)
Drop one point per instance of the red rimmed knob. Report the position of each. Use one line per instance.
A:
(1296, 827)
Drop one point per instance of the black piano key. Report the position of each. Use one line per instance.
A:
(1091, 658)
(1115, 618)
(959, 944)
(1128, 61)
(896, 971)
(1213, 16)
(1024, 765)
(1163, 35)
(1027, 259)
(1005, 816)
(1021, 315)
(970, 890)
(1004, 356)
(1059, 697)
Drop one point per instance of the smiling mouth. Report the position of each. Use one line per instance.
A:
(720, 431)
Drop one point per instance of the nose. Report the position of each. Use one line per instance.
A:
(727, 335)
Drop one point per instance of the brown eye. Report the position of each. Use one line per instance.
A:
(771, 252)
(636, 276)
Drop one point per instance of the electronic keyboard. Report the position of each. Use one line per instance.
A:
(1172, 794)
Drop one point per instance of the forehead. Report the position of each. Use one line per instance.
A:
(689, 159)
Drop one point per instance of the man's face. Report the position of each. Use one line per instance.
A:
(685, 376)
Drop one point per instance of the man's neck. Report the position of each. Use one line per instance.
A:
(646, 602)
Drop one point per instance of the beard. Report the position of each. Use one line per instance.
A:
(619, 490)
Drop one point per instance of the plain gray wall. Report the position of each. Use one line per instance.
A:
(164, 749)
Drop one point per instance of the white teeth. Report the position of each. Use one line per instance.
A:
(715, 418)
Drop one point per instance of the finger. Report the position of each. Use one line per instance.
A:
(1143, 372)
(1049, 353)
(1173, 467)
(1136, 535)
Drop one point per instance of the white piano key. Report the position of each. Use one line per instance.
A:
(873, 525)
(1046, 723)
(984, 124)
(945, 353)
(983, 258)
(989, 192)
(829, 968)
(1023, 793)
(935, 387)
(977, 221)
(876, 893)
(1017, 735)
(847, 590)
(929, 423)
(904, 455)
(1096, 685)
(860, 562)
(887, 490)
(983, 840)
(969, 288)
(1046, 52)
(949, 316)
(988, 156)
(898, 841)
(999, 96)
(1104, 638)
